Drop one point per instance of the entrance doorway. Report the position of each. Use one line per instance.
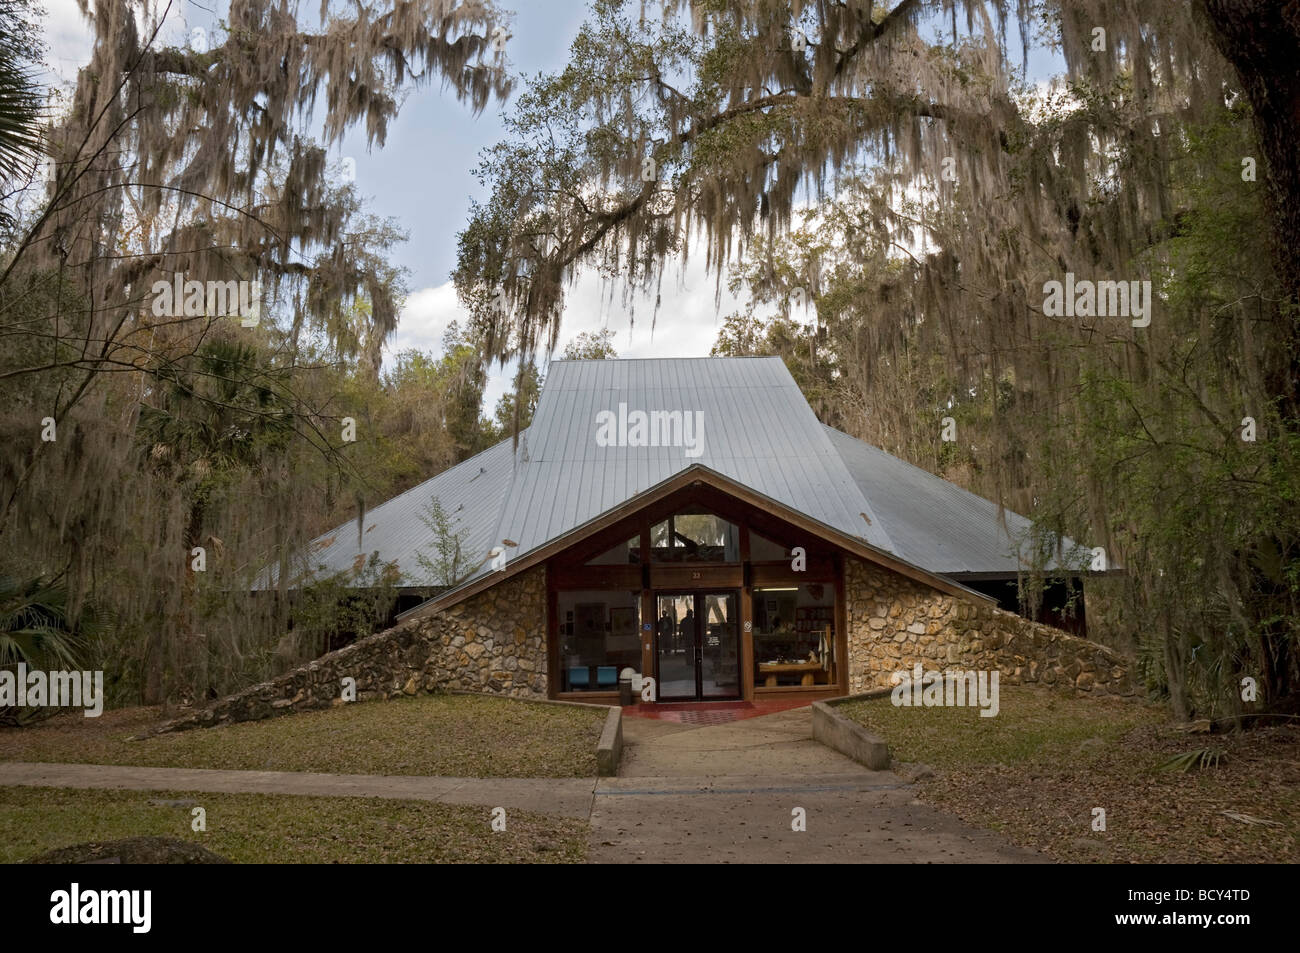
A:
(697, 645)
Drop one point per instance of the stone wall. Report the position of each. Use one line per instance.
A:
(494, 642)
(894, 623)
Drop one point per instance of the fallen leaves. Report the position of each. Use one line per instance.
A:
(1048, 760)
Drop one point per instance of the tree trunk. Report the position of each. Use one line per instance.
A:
(1261, 39)
(1175, 671)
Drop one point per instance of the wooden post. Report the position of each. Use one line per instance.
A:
(746, 620)
(552, 637)
(841, 624)
(647, 605)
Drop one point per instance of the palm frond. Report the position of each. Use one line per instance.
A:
(1200, 759)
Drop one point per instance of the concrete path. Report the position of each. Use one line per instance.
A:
(685, 794)
(728, 794)
(568, 797)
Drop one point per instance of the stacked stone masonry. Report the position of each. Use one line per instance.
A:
(894, 623)
(494, 642)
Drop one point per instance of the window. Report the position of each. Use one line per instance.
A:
(695, 536)
(794, 635)
(599, 636)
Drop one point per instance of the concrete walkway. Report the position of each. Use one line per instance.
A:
(728, 793)
(568, 797)
(684, 794)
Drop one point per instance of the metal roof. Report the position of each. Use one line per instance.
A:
(757, 429)
(934, 523)
(471, 494)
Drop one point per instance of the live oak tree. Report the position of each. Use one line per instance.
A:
(209, 161)
(680, 124)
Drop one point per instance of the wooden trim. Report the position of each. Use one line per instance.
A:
(841, 626)
(698, 475)
(767, 574)
(747, 643)
(691, 576)
(810, 689)
(648, 660)
(596, 577)
(596, 544)
(552, 643)
(746, 617)
(648, 636)
(594, 697)
(1048, 574)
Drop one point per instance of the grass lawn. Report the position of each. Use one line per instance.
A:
(1036, 771)
(272, 828)
(451, 735)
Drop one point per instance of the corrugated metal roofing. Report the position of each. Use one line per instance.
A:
(471, 493)
(757, 430)
(933, 523)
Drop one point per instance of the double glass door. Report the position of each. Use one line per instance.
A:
(697, 645)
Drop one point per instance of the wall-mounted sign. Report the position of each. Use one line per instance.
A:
(749, 627)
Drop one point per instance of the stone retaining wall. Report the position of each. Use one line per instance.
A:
(494, 643)
(894, 623)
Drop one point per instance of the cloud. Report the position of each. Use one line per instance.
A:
(686, 323)
(425, 317)
(69, 35)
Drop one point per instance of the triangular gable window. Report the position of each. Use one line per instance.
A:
(695, 536)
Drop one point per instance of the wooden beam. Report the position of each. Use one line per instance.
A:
(841, 627)
(552, 642)
(648, 614)
(777, 574)
(694, 576)
(596, 577)
(698, 476)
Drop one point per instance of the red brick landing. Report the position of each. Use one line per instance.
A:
(711, 713)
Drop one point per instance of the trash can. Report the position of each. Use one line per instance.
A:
(625, 686)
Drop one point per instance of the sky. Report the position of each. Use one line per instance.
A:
(423, 177)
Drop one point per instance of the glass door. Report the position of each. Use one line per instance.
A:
(719, 663)
(697, 645)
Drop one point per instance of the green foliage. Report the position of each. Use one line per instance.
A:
(21, 108)
(1202, 759)
(514, 410)
(1202, 519)
(220, 411)
(40, 629)
(333, 611)
(35, 626)
(450, 563)
(591, 346)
